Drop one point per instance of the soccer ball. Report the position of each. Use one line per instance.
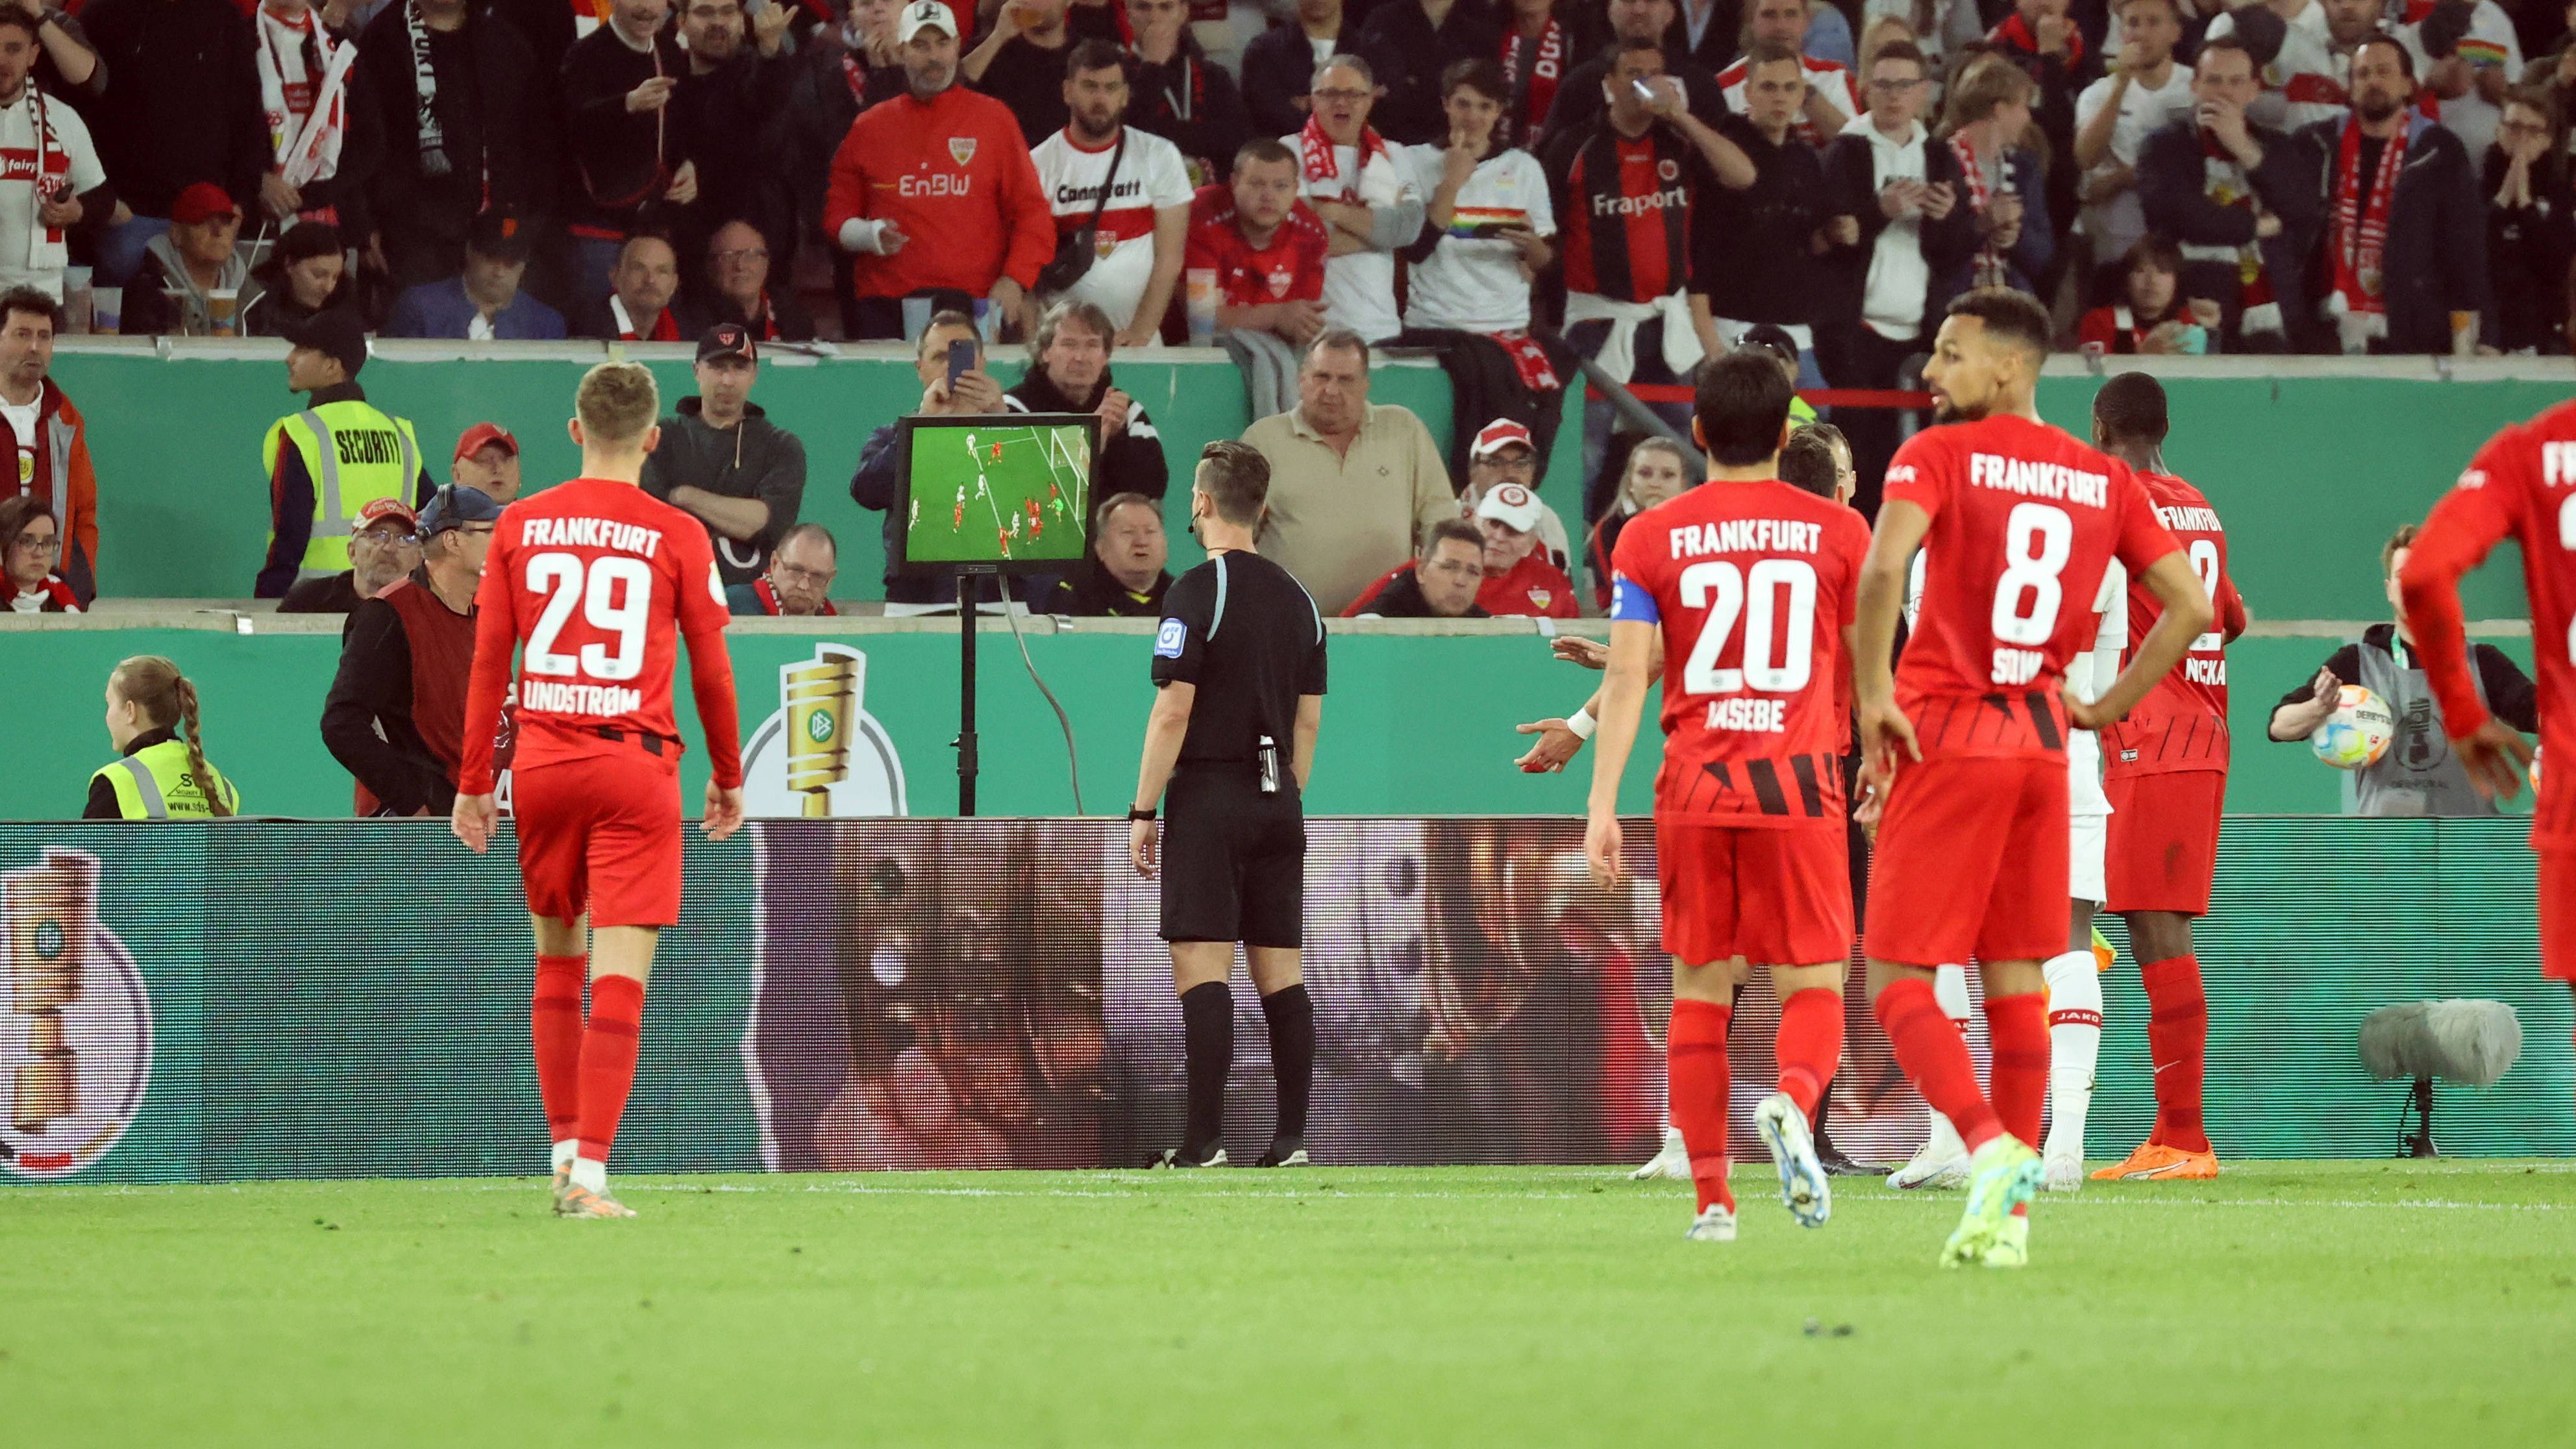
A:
(2357, 733)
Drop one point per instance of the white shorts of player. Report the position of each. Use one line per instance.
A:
(2089, 812)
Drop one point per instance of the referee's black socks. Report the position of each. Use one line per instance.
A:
(1291, 1014)
(1207, 1034)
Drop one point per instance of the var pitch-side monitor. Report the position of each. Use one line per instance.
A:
(1008, 493)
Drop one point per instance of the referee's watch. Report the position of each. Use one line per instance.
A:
(1145, 813)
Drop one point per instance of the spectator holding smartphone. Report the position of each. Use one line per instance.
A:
(950, 363)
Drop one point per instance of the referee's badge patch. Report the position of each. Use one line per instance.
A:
(1169, 639)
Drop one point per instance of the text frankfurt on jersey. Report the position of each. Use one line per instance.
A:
(607, 533)
(2053, 481)
(1747, 535)
(2188, 520)
(602, 701)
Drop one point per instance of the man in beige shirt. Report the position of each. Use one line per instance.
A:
(1350, 483)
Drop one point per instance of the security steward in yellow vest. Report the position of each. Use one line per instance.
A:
(155, 782)
(332, 459)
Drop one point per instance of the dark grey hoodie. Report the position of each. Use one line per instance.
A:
(754, 459)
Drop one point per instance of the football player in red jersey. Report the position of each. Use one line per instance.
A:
(2165, 768)
(598, 581)
(1966, 739)
(1747, 584)
(2521, 485)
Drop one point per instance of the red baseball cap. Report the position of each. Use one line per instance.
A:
(202, 202)
(483, 435)
(387, 510)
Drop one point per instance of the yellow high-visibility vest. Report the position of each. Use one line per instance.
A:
(157, 783)
(355, 454)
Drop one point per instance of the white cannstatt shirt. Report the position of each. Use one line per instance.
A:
(1150, 176)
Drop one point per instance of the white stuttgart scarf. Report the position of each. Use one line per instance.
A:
(45, 249)
(311, 151)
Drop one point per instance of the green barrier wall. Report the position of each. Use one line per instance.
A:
(2311, 471)
(183, 509)
(263, 1000)
(1416, 724)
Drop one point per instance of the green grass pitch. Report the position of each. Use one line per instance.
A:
(977, 488)
(2285, 1304)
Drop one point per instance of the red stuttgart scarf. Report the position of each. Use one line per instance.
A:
(1318, 151)
(1533, 81)
(2015, 32)
(768, 596)
(2360, 235)
(1993, 267)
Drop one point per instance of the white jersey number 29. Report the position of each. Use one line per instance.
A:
(1779, 643)
(2029, 597)
(615, 596)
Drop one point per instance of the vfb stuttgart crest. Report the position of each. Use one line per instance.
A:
(961, 149)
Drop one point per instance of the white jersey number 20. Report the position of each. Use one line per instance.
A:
(1779, 641)
(615, 596)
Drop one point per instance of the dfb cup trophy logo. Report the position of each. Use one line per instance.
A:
(822, 755)
(76, 1040)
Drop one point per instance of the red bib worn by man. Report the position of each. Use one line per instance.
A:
(2518, 487)
(1966, 739)
(2165, 771)
(597, 581)
(1745, 587)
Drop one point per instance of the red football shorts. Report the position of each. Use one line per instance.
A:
(1776, 897)
(601, 834)
(2558, 914)
(1971, 862)
(2164, 840)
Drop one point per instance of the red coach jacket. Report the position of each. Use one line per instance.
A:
(954, 175)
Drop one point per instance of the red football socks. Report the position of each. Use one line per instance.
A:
(2178, 1044)
(1810, 1045)
(608, 1060)
(1936, 1059)
(1695, 1063)
(554, 1026)
(2018, 1028)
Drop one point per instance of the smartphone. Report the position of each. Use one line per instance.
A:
(961, 359)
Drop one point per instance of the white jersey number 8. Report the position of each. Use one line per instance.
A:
(2037, 540)
(1779, 651)
(561, 578)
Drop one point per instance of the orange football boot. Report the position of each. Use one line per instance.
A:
(2155, 1162)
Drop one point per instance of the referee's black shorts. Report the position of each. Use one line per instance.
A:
(1234, 859)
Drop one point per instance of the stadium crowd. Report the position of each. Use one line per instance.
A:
(1537, 194)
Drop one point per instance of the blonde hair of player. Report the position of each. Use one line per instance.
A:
(165, 700)
(615, 419)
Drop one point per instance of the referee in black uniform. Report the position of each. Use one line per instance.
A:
(1239, 696)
